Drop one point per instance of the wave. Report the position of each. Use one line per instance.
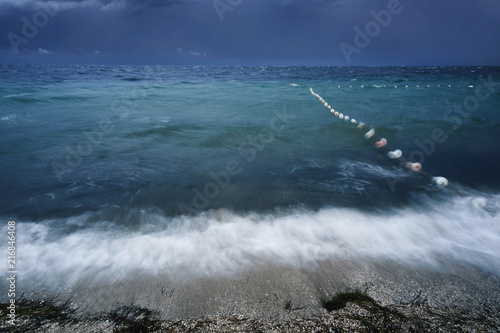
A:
(221, 243)
(16, 95)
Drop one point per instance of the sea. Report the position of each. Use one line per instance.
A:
(110, 172)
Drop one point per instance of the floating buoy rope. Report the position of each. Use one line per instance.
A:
(405, 86)
(396, 154)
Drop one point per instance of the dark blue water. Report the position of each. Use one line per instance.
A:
(221, 164)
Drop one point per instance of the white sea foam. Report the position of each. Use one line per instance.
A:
(16, 95)
(223, 243)
(352, 169)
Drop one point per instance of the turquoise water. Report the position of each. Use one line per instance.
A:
(214, 166)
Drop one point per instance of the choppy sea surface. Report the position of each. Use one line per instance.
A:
(205, 171)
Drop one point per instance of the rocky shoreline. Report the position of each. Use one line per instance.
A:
(332, 297)
(352, 311)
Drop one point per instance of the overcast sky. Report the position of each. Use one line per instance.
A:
(251, 32)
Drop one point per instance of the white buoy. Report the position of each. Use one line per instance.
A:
(414, 166)
(360, 126)
(380, 143)
(329, 107)
(441, 181)
(370, 133)
(395, 154)
(336, 114)
(346, 118)
(332, 110)
(354, 121)
(341, 116)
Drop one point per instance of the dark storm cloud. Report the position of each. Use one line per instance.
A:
(251, 32)
(100, 4)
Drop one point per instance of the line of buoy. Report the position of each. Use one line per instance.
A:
(381, 142)
(404, 86)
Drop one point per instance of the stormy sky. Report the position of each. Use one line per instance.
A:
(251, 32)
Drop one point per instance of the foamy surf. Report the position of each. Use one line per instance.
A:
(219, 243)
